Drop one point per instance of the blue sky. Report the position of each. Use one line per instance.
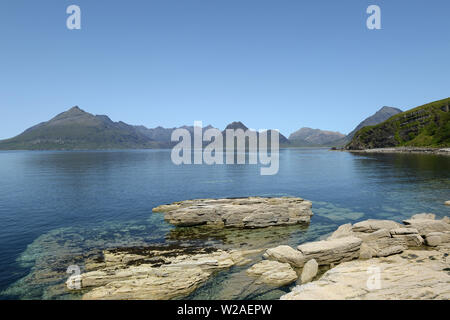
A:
(269, 63)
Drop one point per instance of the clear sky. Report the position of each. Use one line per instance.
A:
(280, 64)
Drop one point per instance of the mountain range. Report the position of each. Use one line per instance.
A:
(77, 129)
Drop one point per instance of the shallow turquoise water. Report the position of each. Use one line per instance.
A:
(56, 208)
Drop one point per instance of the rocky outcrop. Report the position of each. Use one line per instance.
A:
(447, 203)
(331, 251)
(155, 273)
(273, 273)
(414, 274)
(252, 212)
(408, 273)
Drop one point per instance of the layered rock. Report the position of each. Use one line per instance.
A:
(425, 226)
(331, 251)
(273, 273)
(252, 212)
(410, 236)
(155, 273)
(415, 274)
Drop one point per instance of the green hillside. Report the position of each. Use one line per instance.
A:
(424, 126)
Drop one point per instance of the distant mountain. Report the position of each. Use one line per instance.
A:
(314, 137)
(381, 115)
(283, 141)
(164, 135)
(424, 126)
(77, 129)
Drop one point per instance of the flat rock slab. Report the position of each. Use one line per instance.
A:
(425, 226)
(372, 225)
(332, 251)
(252, 212)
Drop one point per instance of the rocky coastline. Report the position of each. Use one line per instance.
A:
(406, 150)
(411, 258)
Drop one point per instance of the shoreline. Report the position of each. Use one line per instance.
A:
(415, 150)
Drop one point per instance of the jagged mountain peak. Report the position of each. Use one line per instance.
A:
(236, 125)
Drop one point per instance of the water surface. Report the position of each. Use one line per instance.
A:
(58, 208)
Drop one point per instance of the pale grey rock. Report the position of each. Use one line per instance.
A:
(430, 216)
(285, 254)
(366, 252)
(331, 251)
(433, 239)
(252, 212)
(273, 273)
(342, 231)
(426, 226)
(446, 219)
(447, 203)
(372, 225)
(309, 271)
(411, 240)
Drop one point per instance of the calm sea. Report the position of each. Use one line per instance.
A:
(58, 207)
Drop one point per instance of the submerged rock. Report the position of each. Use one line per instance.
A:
(252, 212)
(273, 273)
(430, 216)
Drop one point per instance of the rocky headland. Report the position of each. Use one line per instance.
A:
(252, 212)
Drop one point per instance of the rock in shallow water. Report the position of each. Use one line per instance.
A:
(252, 212)
(156, 273)
(273, 273)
